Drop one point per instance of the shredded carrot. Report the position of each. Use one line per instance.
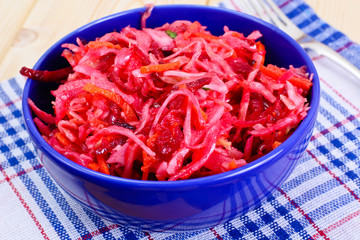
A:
(193, 28)
(103, 167)
(261, 49)
(204, 115)
(301, 82)
(238, 35)
(99, 44)
(232, 165)
(276, 72)
(223, 142)
(93, 166)
(276, 144)
(160, 67)
(126, 107)
(62, 139)
(182, 86)
(147, 163)
(98, 123)
(205, 36)
(272, 71)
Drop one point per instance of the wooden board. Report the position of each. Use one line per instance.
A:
(343, 15)
(29, 27)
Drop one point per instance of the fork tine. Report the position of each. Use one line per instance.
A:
(269, 11)
(279, 14)
(277, 17)
(260, 12)
(246, 7)
(286, 24)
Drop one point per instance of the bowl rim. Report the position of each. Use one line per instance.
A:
(220, 178)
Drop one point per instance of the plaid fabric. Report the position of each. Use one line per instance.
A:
(320, 200)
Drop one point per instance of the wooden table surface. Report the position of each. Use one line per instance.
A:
(29, 27)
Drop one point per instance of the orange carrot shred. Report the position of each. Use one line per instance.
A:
(232, 165)
(194, 27)
(99, 44)
(276, 144)
(238, 35)
(93, 166)
(62, 139)
(98, 123)
(261, 49)
(301, 82)
(147, 163)
(276, 72)
(126, 107)
(205, 36)
(160, 67)
(103, 167)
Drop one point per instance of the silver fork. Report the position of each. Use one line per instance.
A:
(270, 12)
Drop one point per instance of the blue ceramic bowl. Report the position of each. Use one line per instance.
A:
(188, 204)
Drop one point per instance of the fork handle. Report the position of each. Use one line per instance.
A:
(324, 50)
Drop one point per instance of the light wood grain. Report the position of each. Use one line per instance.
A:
(48, 21)
(12, 18)
(344, 15)
(41, 23)
(29, 27)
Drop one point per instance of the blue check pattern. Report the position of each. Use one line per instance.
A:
(320, 200)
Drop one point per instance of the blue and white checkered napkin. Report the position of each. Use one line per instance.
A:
(320, 200)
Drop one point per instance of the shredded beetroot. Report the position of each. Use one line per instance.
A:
(46, 76)
(173, 102)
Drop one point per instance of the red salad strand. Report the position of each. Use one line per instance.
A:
(170, 103)
(46, 76)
